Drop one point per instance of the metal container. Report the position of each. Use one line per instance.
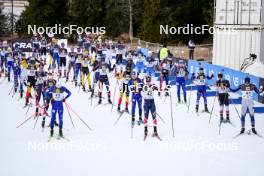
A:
(238, 32)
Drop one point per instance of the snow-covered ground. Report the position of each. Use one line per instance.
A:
(196, 149)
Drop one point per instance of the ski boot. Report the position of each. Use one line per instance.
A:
(227, 119)
(133, 122)
(159, 94)
(179, 100)
(90, 88)
(242, 130)
(60, 132)
(21, 94)
(167, 94)
(51, 132)
(127, 110)
(92, 94)
(155, 133)
(185, 100)
(206, 109)
(83, 87)
(43, 124)
(140, 121)
(221, 119)
(196, 108)
(254, 130)
(145, 133)
(109, 101)
(75, 84)
(100, 100)
(118, 108)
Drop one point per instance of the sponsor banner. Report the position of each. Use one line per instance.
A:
(261, 84)
(235, 77)
(24, 45)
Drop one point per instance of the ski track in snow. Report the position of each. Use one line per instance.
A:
(117, 153)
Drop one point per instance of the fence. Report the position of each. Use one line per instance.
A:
(202, 52)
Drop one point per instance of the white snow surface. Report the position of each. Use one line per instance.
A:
(116, 153)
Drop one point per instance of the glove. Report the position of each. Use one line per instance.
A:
(63, 100)
(52, 101)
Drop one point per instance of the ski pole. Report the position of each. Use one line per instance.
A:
(171, 116)
(25, 121)
(118, 119)
(114, 95)
(78, 116)
(189, 100)
(11, 90)
(36, 119)
(211, 112)
(69, 115)
(161, 118)
(236, 109)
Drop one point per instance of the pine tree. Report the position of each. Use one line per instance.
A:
(44, 13)
(3, 22)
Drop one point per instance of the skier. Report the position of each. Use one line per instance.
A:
(71, 64)
(124, 90)
(135, 86)
(140, 63)
(62, 54)
(55, 57)
(57, 100)
(41, 77)
(103, 79)
(3, 62)
(16, 72)
(150, 66)
(119, 53)
(165, 66)
(31, 79)
(95, 66)
(23, 74)
(247, 90)
(181, 73)
(49, 83)
(222, 91)
(200, 81)
(86, 73)
(10, 63)
(78, 65)
(43, 48)
(149, 106)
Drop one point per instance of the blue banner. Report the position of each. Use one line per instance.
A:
(235, 77)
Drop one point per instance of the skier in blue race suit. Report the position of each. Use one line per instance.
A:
(135, 86)
(247, 90)
(200, 81)
(181, 72)
(10, 64)
(57, 105)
